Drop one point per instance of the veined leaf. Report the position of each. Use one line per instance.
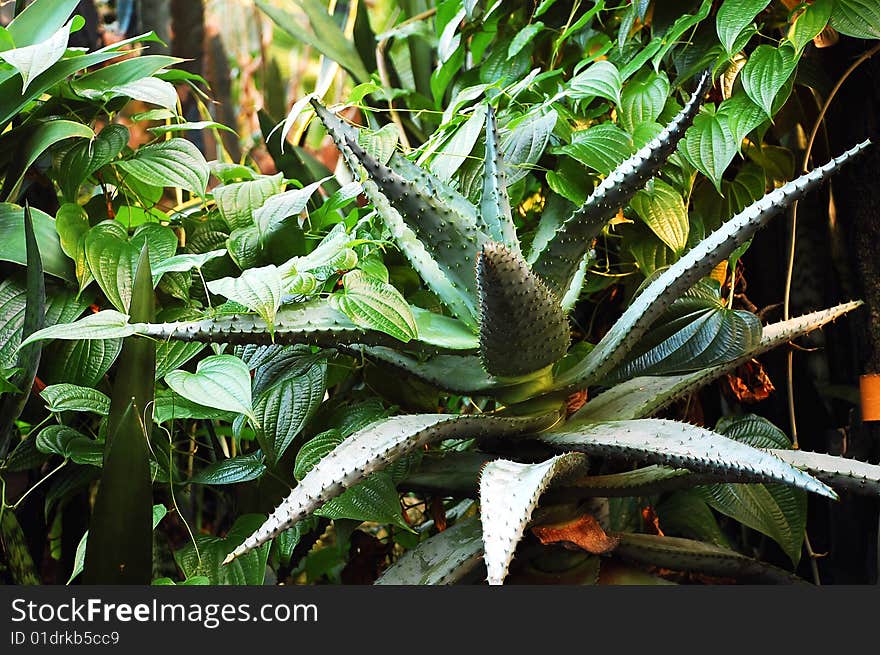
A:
(766, 72)
(232, 471)
(710, 145)
(238, 201)
(106, 324)
(857, 18)
(174, 354)
(372, 449)
(220, 381)
(72, 224)
(284, 409)
(31, 60)
(151, 90)
(809, 23)
(509, 493)
(602, 147)
(112, 262)
(643, 396)
(281, 206)
(642, 100)
(80, 362)
(258, 289)
(71, 398)
(205, 556)
(176, 163)
(775, 510)
(600, 79)
(743, 115)
(697, 333)
(376, 305)
(186, 262)
(663, 210)
(733, 17)
(70, 444)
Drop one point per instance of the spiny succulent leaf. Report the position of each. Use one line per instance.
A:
(644, 481)
(440, 560)
(444, 257)
(509, 493)
(694, 265)
(643, 396)
(559, 261)
(841, 472)
(316, 323)
(522, 326)
(497, 220)
(659, 441)
(696, 556)
(372, 449)
(452, 240)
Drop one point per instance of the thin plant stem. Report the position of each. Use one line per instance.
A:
(786, 303)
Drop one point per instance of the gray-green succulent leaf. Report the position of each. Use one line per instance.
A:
(673, 282)
(373, 449)
(681, 445)
(523, 329)
(509, 493)
(558, 262)
(442, 559)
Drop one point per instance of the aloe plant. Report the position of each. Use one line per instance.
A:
(506, 337)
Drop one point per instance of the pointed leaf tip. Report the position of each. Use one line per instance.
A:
(523, 328)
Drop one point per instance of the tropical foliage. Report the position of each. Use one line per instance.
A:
(457, 353)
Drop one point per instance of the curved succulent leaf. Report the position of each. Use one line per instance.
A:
(644, 396)
(659, 441)
(522, 326)
(435, 227)
(559, 261)
(440, 560)
(698, 557)
(509, 493)
(452, 240)
(372, 449)
(841, 472)
(316, 322)
(695, 264)
(643, 481)
(497, 220)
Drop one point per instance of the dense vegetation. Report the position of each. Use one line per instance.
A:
(494, 325)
